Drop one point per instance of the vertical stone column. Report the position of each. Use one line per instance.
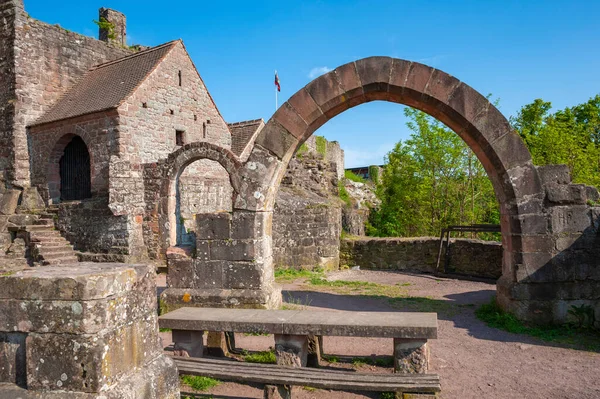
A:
(80, 331)
(411, 356)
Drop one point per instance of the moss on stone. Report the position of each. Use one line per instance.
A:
(321, 145)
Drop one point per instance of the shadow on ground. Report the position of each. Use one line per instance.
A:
(458, 309)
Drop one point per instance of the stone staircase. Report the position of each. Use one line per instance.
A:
(48, 247)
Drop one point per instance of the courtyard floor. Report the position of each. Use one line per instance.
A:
(472, 359)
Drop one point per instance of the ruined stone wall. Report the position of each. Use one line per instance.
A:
(91, 227)
(45, 60)
(307, 216)
(47, 144)
(470, 257)
(330, 151)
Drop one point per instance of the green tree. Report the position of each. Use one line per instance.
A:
(430, 181)
(570, 136)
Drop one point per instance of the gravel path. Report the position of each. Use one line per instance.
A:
(473, 360)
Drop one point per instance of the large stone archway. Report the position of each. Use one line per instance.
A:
(530, 224)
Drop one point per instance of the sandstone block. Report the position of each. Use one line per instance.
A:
(243, 275)
(554, 174)
(213, 226)
(9, 200)
(570, 219)
(208, 274)
(253, 225)
(31, 200)
(566, 193)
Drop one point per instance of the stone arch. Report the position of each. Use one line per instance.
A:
(486, 131)
(172, 169)
(53, 169)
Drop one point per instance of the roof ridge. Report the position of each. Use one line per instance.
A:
(128, 57)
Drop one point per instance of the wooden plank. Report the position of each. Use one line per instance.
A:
(412, 325)
(317, 378)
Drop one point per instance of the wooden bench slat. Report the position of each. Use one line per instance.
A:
(276, 369)
(317, 378)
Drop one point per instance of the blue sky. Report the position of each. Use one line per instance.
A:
(516, 50)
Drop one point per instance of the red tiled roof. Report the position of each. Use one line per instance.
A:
(107, 85)
(241, 134)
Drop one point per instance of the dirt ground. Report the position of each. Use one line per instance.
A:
(473, 360)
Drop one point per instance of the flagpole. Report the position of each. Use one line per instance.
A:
(276, 103)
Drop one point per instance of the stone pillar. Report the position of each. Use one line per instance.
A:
(411, 356)
(112, 28)
(81, 331)
(291, 350)
(188, 343)
(231, 267)
(216, 344)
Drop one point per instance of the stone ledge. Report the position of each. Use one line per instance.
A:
(174, 298)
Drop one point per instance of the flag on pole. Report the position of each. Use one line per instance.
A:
(277, 82)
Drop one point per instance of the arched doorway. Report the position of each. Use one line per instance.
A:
(74, 170)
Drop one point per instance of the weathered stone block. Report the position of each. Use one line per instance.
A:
(592, 193)
(566, 193)
(243, 275)
(411, 356)
(251, 224)
(180, 273)
(276, 139)
(236, 250)
(570, 219)
(208, 274)
(9, 200)
(31, 200)
(213, 226)
(554, 174)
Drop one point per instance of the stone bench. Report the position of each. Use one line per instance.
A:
(279, 379)
(293, 330)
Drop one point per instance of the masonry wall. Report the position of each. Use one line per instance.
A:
(307, 218)
(470, 257)
(40, 63)
(47, 144)
(150, 131)
(91, 227)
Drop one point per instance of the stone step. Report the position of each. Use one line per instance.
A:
(58, 255)
(40, 227)
(43, 235)
(44, 222)
(49, 240)
(60, 261)
(45, 250)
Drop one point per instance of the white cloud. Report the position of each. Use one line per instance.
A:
(318, 71)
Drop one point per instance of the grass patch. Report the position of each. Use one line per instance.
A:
(343, 193)
(331, 358)
(387, 395)
(289, 275)
(293, 303)
(348, 174)
(164, 330)
(256, 334)
(267, 357)
(321, 144)
(199, 383)
(578, 337)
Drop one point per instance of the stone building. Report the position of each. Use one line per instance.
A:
(91, 123)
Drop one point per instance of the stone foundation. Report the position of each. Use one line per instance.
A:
(231, 265)
(82, 331)
(469, 257)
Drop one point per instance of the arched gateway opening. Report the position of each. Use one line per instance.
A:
(484, 129)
